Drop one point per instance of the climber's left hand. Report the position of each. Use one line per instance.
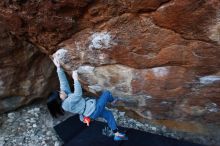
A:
(56, 62)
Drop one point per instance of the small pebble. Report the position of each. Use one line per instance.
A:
(57, 143)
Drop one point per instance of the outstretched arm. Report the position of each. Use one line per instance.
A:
(64, 85)
(77, 85)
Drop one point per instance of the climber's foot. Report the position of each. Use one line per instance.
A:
(120, 136)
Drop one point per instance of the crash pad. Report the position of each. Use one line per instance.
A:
(75, 133)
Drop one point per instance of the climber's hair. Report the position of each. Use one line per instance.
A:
(54, 104)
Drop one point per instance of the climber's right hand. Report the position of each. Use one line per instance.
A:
(75, 75)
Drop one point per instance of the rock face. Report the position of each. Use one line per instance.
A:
(161, 56)
(25, 72)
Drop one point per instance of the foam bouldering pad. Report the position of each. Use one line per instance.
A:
(92, 136)
(74, 133)
(141, 138)
(69, 128)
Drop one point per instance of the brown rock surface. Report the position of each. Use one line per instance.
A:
(25, 72)
(162, 56)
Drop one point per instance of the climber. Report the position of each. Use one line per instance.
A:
(87, 108)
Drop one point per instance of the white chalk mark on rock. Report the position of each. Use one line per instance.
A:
(60, 54)
(160, 71)
(86, 69)
(100, 40)
(209, 79)
(95, 88)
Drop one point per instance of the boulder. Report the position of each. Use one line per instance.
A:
(25, 73)
(160, 56)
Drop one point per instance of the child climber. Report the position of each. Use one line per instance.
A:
(86, 108)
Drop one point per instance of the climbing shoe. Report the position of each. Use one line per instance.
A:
(120, 137)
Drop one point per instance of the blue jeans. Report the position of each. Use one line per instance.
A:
(100, 110)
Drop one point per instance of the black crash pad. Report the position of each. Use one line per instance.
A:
(92, 136)
(141, 138)
(69, 128)
(74, 133)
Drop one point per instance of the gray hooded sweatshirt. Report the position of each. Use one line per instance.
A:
(75, 103)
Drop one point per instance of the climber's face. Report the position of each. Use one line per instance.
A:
(63, 95)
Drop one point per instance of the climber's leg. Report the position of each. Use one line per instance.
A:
(108, 116)
(101, 103)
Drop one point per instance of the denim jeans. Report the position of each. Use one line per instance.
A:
(101, 111)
